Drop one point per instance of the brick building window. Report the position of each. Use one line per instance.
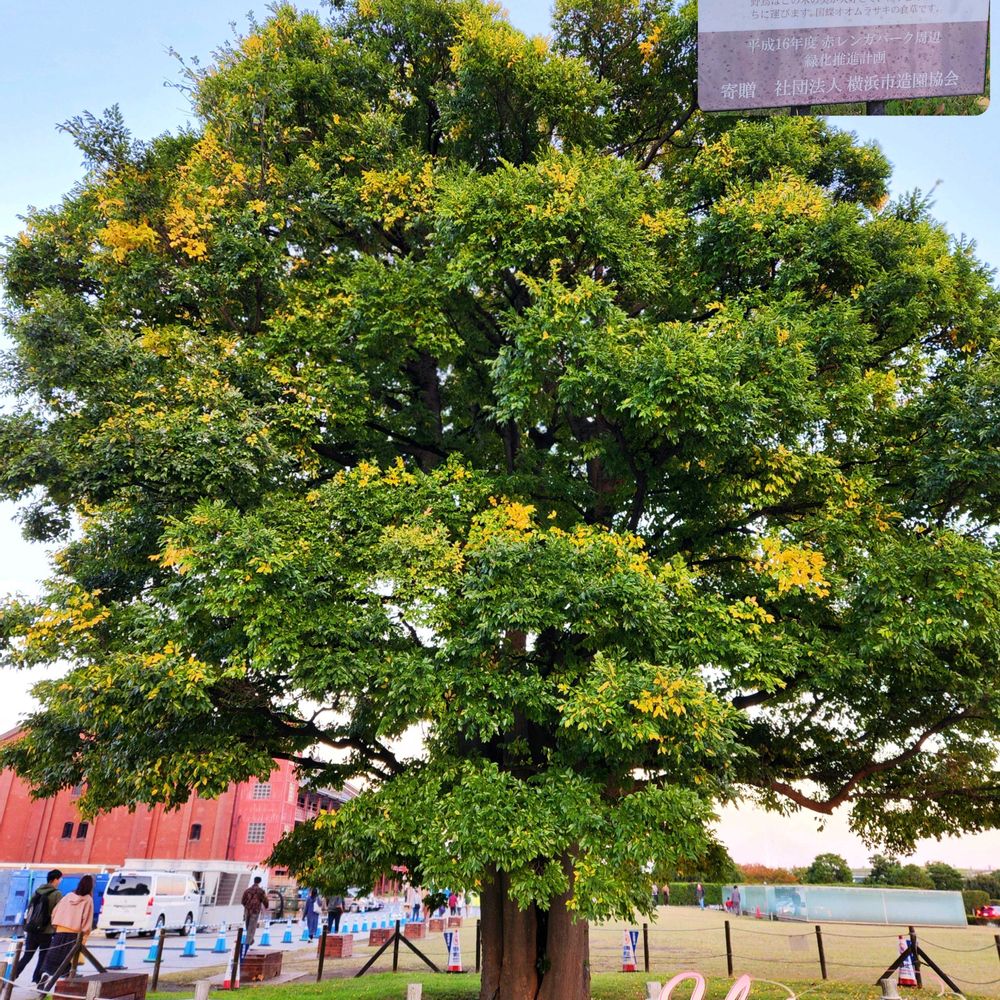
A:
(261, 791)
(81, 831)
(67, 831)
(195, 833)
(255, 833)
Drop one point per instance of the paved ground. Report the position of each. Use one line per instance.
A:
(206, 960)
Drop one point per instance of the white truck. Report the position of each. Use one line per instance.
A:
(178, 895)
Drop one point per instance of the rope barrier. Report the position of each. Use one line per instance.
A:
(863, 937)
(969, 951)
(973, 982)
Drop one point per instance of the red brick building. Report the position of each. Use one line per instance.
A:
(241, 825)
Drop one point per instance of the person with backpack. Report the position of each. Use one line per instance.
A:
(253, 901)
(72, 917)
(38, 924)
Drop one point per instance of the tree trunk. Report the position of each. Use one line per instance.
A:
(532, 954)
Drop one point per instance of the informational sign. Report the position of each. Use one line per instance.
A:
(779, 53)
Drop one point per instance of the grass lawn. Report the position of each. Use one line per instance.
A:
(680, 938)
(606, 986)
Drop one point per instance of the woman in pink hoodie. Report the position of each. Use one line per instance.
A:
(72, 916)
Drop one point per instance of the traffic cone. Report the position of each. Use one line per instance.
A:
(364, 926)
(628, 953)
(354, 928)
(220, 947)
(265, 938)
(8, 962)
(227, 979)
(153, 949)
(305, 933)
(286, 938)
(118, 955)
(190, 949)
(454, 951)
(907, 974)
(756, 913)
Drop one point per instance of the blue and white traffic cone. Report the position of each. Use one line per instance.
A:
(265, 938)
(354, 928)
(8, 962)
(220, 947)
(286, 938)
(305, 933)
(118, 955)
(153, 949)
(190, 949)
(364, 926)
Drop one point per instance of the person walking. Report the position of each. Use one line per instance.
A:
(312, 912)
(412, 901)
(334, 911)
(699, 895)
(38, 929)
(736, 900)
(452, 904)
(254, 899)
(72, 916)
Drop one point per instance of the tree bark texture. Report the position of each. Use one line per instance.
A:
(532, 954)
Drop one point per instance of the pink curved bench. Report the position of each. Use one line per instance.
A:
(740, 990)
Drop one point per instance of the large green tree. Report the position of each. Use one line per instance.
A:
(827, 869)
(448, 382)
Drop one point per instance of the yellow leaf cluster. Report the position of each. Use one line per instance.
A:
(648, 45)
(398, 193)
(208, 180)
(82, 612)
(121, 237)
(793, 566)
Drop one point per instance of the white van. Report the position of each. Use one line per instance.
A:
(145, 901)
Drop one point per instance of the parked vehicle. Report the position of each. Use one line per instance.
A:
(177, 895)
(358, 902)
(145, 901)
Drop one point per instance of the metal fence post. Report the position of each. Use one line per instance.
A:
(322, 955)
(479, 944)
(916, 956)
(822, 953)
(729, 949)
(645, 946)
(9, 973)
(159, 959)
(395, 948)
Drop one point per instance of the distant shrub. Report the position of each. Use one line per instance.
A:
(974, 898)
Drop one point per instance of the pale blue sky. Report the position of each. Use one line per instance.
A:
(59, 58)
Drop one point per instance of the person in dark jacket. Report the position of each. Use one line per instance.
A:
(72, 917)
(334, 911)
(39, 940)
(253, 900)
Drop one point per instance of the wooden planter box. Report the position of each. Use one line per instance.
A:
(379, 935)
(415, 932)
(114, 985)
(339, 945)
(259, 965)
(437, 924)
(454, 921)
